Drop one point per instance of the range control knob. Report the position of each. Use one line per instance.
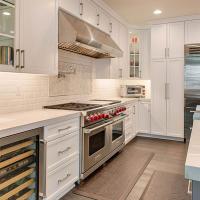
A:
(92, 118)
(95, 117)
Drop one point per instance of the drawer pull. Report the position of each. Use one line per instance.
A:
(65, 178)
(64, 129)
(66, 150)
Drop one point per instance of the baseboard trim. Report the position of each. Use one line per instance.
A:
(147, 135)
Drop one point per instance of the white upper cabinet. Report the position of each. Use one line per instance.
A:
(38, 36)
(192, 31)
(89, 12)
(72, 6)
(176, 40)
(32, 37)
(9, 34)
(158, 41)
(167, 41)
(114, 29)
(103, 20)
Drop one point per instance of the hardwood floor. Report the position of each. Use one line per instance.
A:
(169, 157)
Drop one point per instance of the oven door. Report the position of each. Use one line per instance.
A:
(117, 133)
(95, 145)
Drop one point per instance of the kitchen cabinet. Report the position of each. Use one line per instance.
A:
(61, 141)
(90, 12)
(38, 36)
(167, 84)
(167, 94)
(33, 51)
(9, 36)
(175, 98)
(158, 99)
(144, 117)
(167, 41)
(131, 121)
(158, 41)
(104, 20)
(139, 54)
(73, 7)
(192, 31)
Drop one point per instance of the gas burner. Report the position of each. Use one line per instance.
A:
(74, 106)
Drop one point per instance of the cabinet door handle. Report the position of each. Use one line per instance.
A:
(64, 129)
(120, 73)
(165, 52)
(98, 19)
(18, 58)
(64, 151)
(111, 27)
(23, 58)
(63, 179)
(168, 52)
(81, 8)
(134, 110)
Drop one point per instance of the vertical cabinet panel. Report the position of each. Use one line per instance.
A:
(90, 12)
(176, 40)
(192, 31)
(158, 104)
(72, 6)
(135, 119)
(175, 100)
(144, 117)
(38, 36)
(158, 41)
(104, 21)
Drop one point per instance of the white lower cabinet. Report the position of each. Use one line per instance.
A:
(61, 180)
(131, 122)
(62, 158)
(144, 125)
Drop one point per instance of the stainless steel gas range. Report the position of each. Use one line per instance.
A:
(103, 134)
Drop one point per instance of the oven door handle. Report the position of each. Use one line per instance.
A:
(88, 130)
(120, 119)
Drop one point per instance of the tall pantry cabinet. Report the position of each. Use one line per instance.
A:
(167, 75)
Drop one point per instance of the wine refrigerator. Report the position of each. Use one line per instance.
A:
(19, 166)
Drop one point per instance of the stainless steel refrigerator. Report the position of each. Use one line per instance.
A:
(192, 86)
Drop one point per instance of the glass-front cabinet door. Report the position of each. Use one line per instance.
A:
(135, 70)
(7, 34)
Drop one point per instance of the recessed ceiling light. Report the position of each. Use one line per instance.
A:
(6, 13)
(157, 12)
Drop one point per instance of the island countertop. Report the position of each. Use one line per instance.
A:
(13, 123)
(192, 164)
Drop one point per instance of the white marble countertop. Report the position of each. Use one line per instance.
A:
(13, 123)
(192, 164)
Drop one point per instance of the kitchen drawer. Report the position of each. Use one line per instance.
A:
(61, 149)
(61, 129)
(62, 178)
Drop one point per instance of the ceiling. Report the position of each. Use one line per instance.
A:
(139, 12)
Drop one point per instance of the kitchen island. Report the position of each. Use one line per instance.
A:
(192, 164)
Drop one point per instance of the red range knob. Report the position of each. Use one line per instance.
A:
(99, 116)
(92, 118)
(106, 116)
(95, 117)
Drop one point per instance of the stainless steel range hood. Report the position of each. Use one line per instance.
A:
(80, 37)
